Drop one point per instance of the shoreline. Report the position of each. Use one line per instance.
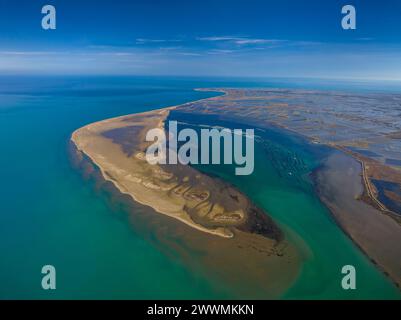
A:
(369, 189)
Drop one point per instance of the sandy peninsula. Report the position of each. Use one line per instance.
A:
(117, 146)
(239, 242)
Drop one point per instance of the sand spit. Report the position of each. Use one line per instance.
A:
(222, 234)
(117, 147)
(340, 185)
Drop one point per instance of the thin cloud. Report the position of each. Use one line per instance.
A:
(365, 39)
(239, 40)
(220, 51)
(216, 38)
(145, 41)
(256, 41)
(193, 54)
(28, 53)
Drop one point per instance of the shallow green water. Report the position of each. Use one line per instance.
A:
(50, 215)
(281, 185)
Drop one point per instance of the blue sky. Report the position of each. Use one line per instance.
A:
(279, 38)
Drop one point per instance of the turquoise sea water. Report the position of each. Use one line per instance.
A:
(50, 215)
